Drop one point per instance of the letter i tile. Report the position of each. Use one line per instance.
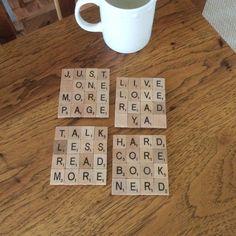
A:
(79, 156)
(139, 165)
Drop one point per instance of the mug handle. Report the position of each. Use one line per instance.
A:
(84, 24)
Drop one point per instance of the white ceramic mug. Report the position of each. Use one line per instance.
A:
(126, 25)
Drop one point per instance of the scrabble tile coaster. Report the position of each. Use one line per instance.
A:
(139, 165)
(79, 156)
(140, 103)
(84, 93)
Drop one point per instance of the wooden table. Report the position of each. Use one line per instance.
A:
(200, 70)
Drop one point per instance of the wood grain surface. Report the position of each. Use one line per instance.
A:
(200, 4)
(200, 72)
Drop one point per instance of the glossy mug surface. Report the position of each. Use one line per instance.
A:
(126, 25)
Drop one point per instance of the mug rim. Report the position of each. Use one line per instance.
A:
(130, 9)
